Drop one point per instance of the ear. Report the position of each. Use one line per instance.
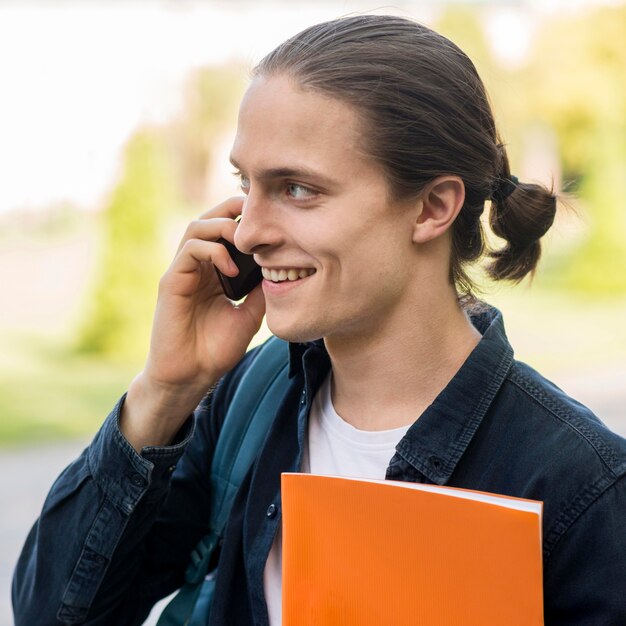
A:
(441, 201)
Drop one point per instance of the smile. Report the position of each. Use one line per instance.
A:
(281, 275)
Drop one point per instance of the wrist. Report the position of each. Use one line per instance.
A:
(153, 413)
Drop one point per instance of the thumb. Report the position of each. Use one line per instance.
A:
(254, 306)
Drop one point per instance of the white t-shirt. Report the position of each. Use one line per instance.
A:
(333, 447)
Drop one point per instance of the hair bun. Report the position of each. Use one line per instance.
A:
(521, 220)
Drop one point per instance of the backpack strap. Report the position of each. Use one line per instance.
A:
(248, 419)
(247, 422)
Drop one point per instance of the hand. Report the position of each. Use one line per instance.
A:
(198, 334)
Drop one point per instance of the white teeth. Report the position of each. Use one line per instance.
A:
(277, 276)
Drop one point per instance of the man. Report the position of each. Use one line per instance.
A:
(362, 253)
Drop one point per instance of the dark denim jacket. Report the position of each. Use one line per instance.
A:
(117, 528)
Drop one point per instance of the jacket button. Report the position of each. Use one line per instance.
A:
(137, 480)
(271, 510)
(435, 462)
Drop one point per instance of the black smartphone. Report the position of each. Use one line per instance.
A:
(249, 275)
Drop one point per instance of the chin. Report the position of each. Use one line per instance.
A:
(292, 331)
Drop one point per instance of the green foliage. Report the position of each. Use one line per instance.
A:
(119, 319)
(576, 83)
(598, 266)
(47, 393)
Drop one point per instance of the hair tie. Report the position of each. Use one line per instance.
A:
(504, 188)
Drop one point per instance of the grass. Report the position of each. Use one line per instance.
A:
(558, 332)
(46, 393)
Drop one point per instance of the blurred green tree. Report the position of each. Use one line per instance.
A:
(119, 314)
(576, 83)
(162, 169)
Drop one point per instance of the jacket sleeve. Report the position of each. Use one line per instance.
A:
(585, 577)
(117, 528)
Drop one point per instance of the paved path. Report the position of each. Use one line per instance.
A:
(26, 475)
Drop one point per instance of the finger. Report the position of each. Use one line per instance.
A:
(229, 208)
(209, 230)
(194, 252)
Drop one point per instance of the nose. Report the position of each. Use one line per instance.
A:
(257, 229)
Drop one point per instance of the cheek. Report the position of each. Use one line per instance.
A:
(383, 267)
(364, 271)
(362, 247)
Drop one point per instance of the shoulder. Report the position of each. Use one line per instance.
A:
(573, 460)
(558, 415)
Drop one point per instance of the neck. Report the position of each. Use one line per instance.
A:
(386, 376)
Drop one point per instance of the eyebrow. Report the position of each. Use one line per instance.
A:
(274, 173)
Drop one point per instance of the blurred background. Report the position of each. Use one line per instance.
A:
(115, 124)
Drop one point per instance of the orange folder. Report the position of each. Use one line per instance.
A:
(378, 552)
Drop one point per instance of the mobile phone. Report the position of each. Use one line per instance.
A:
(249, 275)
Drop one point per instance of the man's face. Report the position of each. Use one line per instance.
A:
(318, 210)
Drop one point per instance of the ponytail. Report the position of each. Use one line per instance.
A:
(521, 213)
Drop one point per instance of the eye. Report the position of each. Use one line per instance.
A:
(244, 181)
(299, 192)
